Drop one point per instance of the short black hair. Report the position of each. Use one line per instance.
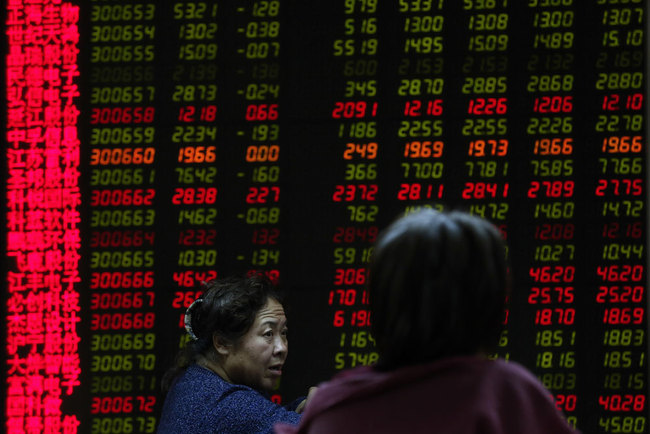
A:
(230, 305)
(437, 283)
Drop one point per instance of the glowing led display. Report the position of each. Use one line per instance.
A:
(43, 201)
(154, 146)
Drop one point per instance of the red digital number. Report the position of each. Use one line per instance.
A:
(620, 294)
(263, 194)
(623, 315)
(555, 274)
(618, 402)
(353, 109)
(352, 192)
(553, 104)
(350, 276)
(487, 106)
(550, 294)
(352, 234)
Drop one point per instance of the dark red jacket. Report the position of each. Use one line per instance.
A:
(452, 396)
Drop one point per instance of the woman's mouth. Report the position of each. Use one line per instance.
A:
(276, 370)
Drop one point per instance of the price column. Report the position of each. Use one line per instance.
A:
(354, 112)
(121, 205)
(483, 145)
(549, 86)
(420, 88)
(258, 139)
(620, 258)
(194, 193)
(484, 140)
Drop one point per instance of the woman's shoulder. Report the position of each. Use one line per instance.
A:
(199, 378)
(199, 387)
(357, 382)
(201, 401)
(512, 372)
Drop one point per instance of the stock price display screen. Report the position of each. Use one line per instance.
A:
(151, 146)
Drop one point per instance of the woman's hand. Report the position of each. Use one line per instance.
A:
(301, 406)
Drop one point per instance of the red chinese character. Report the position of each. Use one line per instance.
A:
(34, 97)
(34, 76)
(34, 424)
(16, 179)
(52, 346)
(71, 180)
(53, 198)
(69, 13)
(70, 55)
(71, 218)
(16, 365)
(16, 407)
(70, 91)
(71, 239)
(71, 276)
(31, 261)
(52, 55)
(34, 219)
(16, 116)
(70, 156)
(34, 339)
(15, 136)
(53, 281)
(70, 35)
(52, 33)
(52, 384)
(53, 219)
(52, 406)
(35, 178)
(70, 424)
(52, 136)
(34, 137)
(15, 76)
(71, 342)
(34, 116)
(53, 97)
(52, 306)
(53, 177)
(14, 94)
(15, 342)
(15, 201)
(70, 114)
(34, 302)
(16, 220)
(51, 13)
(53, 260)
(52, 423)
(16, 37)
(15, 303)
(34, 55)
(70, 72)
(70, 321)
(33, 15)
(52, 367)
(34, 384)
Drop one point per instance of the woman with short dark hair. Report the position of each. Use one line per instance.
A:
(437, 283)
(238, 348)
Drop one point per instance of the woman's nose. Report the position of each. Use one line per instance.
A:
(281, 345)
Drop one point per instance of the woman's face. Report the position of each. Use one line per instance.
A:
(256, 360)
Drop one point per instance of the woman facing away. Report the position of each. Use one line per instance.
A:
(437, 283)
(222, 378)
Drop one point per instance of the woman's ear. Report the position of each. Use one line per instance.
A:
(222, 348)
